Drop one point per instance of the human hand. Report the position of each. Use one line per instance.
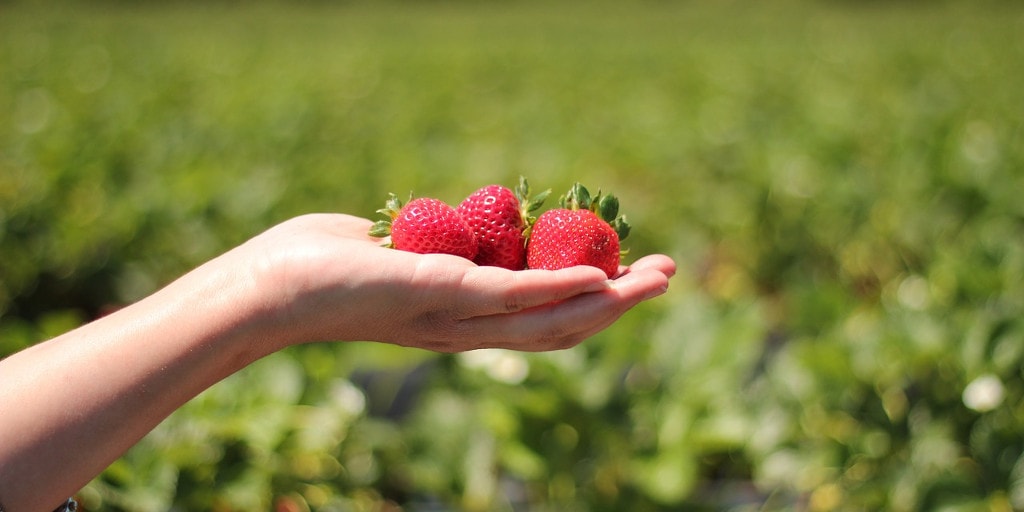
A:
(324, 279)
(312, 278)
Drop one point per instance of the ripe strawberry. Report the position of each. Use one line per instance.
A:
(499, 219)
(425, 225)
(584, 231)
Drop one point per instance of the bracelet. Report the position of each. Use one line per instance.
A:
(68, 506)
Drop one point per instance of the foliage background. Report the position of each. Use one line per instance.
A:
(839, 182)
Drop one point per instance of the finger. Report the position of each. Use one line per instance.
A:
(659, 262)
(492, 290)
(565, 324)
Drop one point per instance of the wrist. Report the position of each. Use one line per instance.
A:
(237, 305)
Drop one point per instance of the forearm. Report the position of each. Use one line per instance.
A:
(74, 404)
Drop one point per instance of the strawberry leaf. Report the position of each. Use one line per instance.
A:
(382, 228)
(608, 208)
(528, 205)
(621, 227)
(578, 198)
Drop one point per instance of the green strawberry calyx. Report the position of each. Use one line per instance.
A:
(382, 228)
(528, 205)
(605, 206)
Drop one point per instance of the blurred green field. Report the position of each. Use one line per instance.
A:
(840, 183)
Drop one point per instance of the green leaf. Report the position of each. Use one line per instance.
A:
(537, 201)
(380, 229)
(608, 208)
(527, 204)
(578, 198)
(621, 227)
(394, 204)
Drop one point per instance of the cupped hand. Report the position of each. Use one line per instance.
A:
(324, 278)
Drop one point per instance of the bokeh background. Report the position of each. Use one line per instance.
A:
(841, 183)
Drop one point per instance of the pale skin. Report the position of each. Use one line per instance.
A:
(72, 405)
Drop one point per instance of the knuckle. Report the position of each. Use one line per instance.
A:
(513, 303)
(441, 332)
(560, 338)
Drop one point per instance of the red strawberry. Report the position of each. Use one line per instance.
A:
(499, 219)
(425, 226)
(584, 231)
